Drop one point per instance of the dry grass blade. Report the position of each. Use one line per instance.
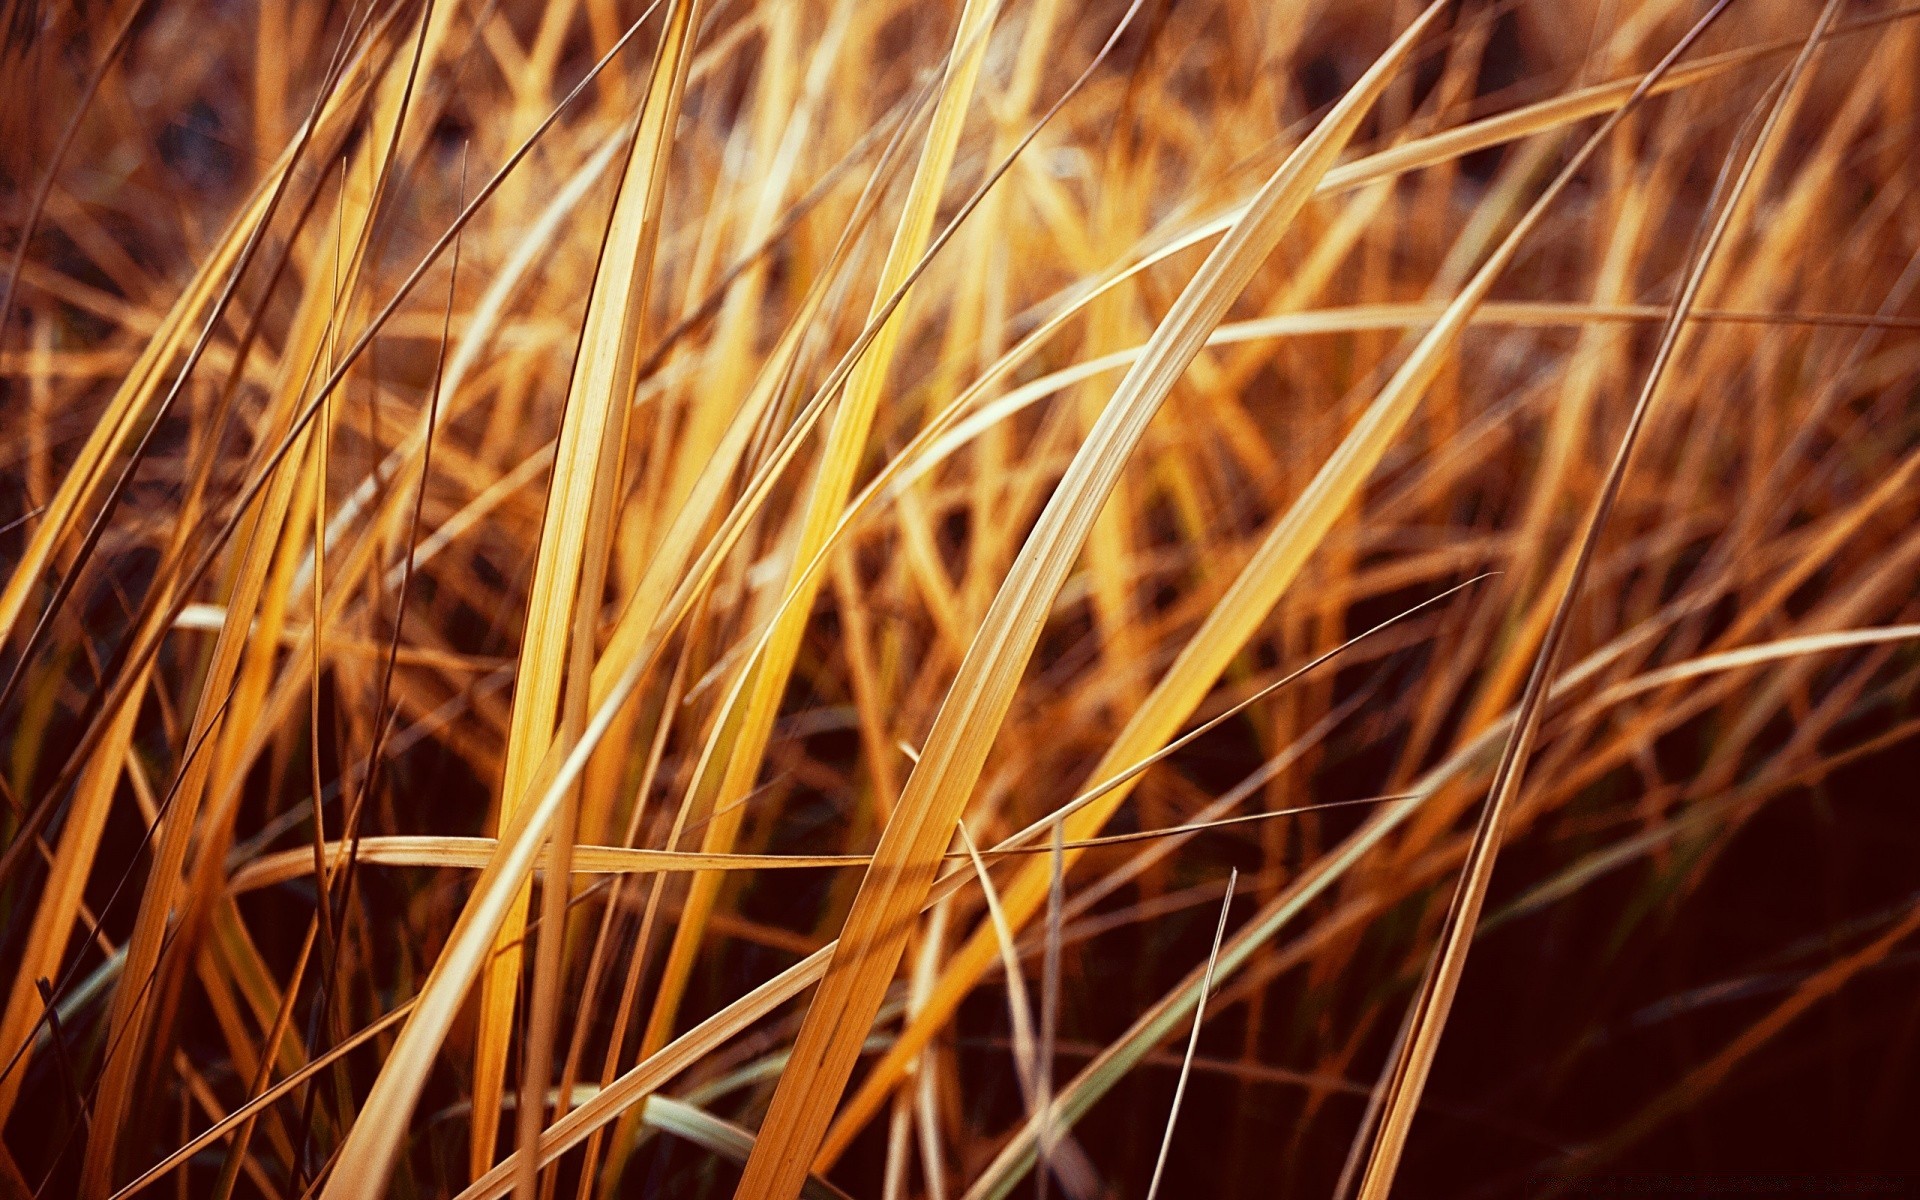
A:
(569, 571)
(1753, 656)
(474, 853)
(1193, 1040)
(1408, 1073)
(1050, 1008)
(704, 1129)
(1030, 1054)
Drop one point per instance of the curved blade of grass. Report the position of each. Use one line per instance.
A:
(724, 1138)
(1753, 656)
(576, 531)
(1075, 1171)
(1019, 1009)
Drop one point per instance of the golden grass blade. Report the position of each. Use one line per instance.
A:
(577, 531)
(474, 853)
(704, 1129)
(1408, 1073)
(1028, 1053)
(956, 749)
(926, 1111)
(1752, 656)
(1050, 1008)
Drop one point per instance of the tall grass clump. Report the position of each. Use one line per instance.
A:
(903, 599)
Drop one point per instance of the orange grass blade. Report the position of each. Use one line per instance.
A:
(576, 533)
